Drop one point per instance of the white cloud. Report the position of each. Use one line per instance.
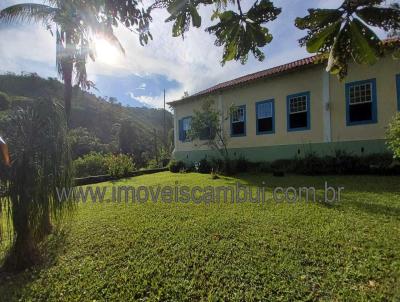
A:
(158, 100)
(141, 86)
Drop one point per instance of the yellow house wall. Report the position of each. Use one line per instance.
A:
(305, 80)
(277, 88)
(385, 74)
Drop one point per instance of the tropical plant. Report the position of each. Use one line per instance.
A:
(120, 165)
(5, 101)
(176, 166)
(82, 142)
(207, 128)
(75, 23)
(395, 32)
(393, 136)
(344, 33)
(91, 164)
(37, 137)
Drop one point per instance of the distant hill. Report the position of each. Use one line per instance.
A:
(102, 118)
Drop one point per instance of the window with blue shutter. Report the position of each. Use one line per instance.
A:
(265, 117)
(298, 111)
(184, 128)
(238, 121)
(361, 102)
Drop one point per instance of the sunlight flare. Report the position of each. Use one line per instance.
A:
(106, 52)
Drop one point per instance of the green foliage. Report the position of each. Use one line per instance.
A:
(206, 127)
(94, 164)
(182, 13)
(242, 33)
(83, 142)
(341, 163)
(203, 166)
(105, 122)
(343, 33)
(176, 166)
(241, 165)
(119, 165)
(152, 164)
(5, 101)
(393, 136)
(91, 164)
(37, 139)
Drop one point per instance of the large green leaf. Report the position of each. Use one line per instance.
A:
(318, 18)
(337, 62)
(315, 43)
(196, 19)
(364, 43)
(386, 18)
(28, 13)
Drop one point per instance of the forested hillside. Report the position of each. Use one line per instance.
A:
(99, 124)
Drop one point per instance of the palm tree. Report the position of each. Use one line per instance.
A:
(41, 163)
(75, 24)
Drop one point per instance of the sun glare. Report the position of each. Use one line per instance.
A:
(107, 53)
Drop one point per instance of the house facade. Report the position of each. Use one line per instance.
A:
(297, 108)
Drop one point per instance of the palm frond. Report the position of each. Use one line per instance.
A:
(110, 37)
(28, 13)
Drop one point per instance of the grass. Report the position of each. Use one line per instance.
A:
(240, 252)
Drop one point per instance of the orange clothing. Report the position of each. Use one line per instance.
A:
(4, 152)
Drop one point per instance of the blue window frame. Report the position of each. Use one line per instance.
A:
(298, 111)
(184, 128)
(265, 117)
(398, 91)
(238, 121)
(361, 102)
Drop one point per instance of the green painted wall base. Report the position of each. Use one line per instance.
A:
(271, 153)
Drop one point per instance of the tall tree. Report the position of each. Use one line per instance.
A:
(344, 33)
(207, 128)
(37, 136)
(74, 23)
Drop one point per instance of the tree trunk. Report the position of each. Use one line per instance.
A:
(67, 68)
(24, 253)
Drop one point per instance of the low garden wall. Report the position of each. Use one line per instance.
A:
(102, 178)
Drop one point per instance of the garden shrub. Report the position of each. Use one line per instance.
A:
(94, 164)
(393, 136)
(91, 164)
(5, 101)
(152, 164)
(176, 166)
(222, 166)
(284, 165)
(119, 165)
(311, 164)
(344, 163)
(263, 167)
(241, 165)
(381, 163)
(203, 166)
(341, 162)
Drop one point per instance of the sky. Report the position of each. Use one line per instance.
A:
(174, 64)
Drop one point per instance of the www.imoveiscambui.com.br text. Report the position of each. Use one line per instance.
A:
(238, 193)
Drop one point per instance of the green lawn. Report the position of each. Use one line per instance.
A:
(241, 252)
